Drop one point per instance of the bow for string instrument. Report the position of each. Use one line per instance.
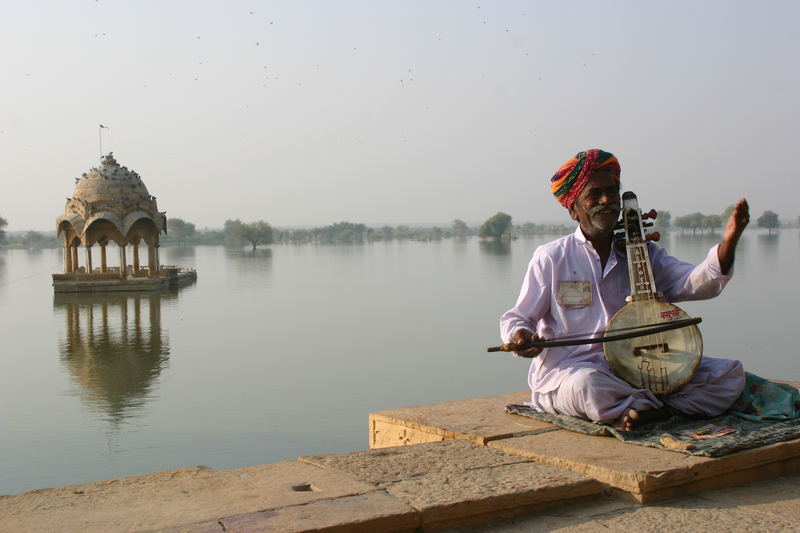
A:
(650, 343)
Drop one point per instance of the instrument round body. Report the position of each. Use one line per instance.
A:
(661, 362)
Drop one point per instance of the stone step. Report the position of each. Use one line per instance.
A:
(478, 420)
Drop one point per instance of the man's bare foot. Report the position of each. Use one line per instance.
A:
(632, 418)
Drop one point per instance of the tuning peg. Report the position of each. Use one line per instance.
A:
(653, 236)
(650, 214)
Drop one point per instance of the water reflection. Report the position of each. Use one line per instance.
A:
(181, 252)
(248, 253)
(114, 348)
(768, 249)
(768, 239)
(254, 267)
(495, 247)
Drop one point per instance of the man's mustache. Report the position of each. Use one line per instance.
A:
(608, 207)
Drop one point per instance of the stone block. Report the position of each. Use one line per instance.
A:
(391, 432)
(650, 474)
(364, 513)
(386, 465)
(479, 420)
(456, 482)
(173, 498)
(480, 495)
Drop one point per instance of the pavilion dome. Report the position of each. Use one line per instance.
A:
(110, 194)
(111, 185)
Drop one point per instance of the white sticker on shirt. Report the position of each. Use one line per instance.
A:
(574, 293)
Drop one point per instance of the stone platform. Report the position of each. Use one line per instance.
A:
(168, 279)
(405, 489)
(646, 474)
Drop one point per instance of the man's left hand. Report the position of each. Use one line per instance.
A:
(734, 227)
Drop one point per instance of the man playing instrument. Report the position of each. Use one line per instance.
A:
(576, 283)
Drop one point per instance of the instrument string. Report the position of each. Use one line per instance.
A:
(646, 307)
(662, 374)
(653, 313)
(663, 369)
(643, 362)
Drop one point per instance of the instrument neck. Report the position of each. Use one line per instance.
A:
(643, 285)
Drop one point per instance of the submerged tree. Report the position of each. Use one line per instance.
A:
(495, 226)
(712, 222)
(3, 224)
(726, 214)
(459, 229)
(255, 233)
(769, 220)
(664, 219)
(34, 238)
(231, 231)
(180, 229)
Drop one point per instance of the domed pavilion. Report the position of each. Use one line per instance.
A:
(109, 204)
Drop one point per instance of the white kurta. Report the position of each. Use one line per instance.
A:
(577, 380)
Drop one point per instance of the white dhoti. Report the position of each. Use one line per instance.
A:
(593, 392)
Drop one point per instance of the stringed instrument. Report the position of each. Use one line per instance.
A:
(663, 361)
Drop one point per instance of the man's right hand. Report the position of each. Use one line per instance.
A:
(523, 336)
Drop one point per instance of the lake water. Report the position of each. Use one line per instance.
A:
(285, 352)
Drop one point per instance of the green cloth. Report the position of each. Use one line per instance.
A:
(764, 400)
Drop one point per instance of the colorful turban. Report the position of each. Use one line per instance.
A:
(570, 179)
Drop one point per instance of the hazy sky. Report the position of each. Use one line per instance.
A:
(309, 113)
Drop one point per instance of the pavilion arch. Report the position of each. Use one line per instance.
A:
(103, 224)
(141, 229)
(71, 221)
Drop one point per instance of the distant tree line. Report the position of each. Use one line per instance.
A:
(349, 232)
(26, 239)
(702, 223)
(237, 233)
(497, 227)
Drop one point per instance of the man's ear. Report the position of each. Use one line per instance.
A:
(572, 213)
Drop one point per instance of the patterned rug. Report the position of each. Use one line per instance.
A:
(766, 413)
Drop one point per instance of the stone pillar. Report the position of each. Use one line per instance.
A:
(136, 258)
(123, 262)
(74, 251)
(89, 259)
(152, 264)
(67, 256)
(103, 263)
